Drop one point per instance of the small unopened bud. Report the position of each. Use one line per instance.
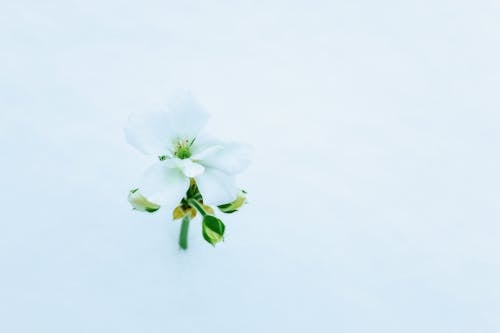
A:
(140, 203)
(235, 205)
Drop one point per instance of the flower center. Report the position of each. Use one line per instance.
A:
(183, 149)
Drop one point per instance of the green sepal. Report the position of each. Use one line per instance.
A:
(213, 229)
(193, 192)
(140, 203)
(235, 205)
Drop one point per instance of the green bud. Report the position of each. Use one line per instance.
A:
(235, 205)
(213, 229)
(140, 203)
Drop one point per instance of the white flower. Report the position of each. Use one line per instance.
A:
(174, 137)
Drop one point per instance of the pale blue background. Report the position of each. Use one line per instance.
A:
(374, 192)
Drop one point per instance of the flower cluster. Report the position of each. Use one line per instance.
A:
(193, 172)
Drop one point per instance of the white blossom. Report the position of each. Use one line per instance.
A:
(182, 152)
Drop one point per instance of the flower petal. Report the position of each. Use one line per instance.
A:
(216, 187)
(164, 185)
(205, 152)
(189, 168)
(187, 117)
(150, 132)
(231, 158)
(204, 141)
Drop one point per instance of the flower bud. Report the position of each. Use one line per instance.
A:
(140, 203)
(235, 205)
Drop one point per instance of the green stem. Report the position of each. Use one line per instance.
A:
(183, 236)
(198, 207)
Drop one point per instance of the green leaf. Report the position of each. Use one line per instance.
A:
(213, 229)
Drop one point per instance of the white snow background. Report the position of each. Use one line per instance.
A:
(373, 193)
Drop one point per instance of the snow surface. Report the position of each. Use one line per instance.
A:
(374, 191)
